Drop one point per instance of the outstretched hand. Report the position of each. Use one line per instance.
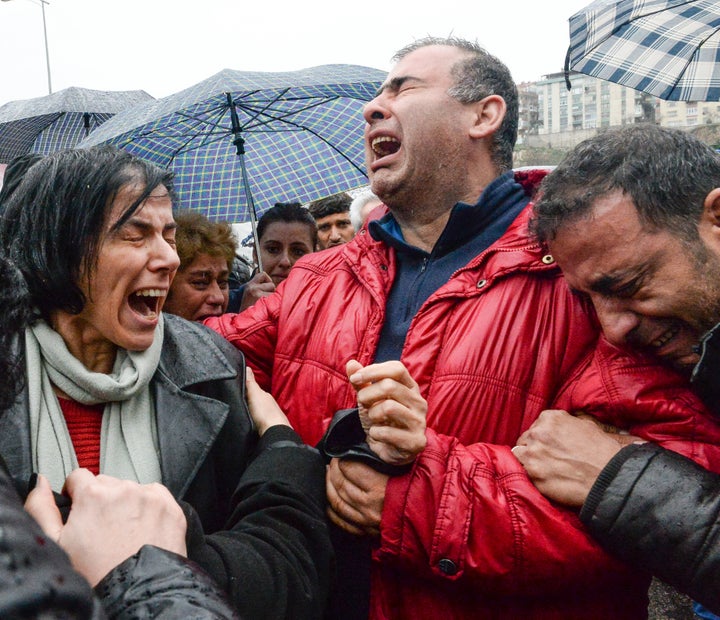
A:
(392, 411)
(109, 521)
(264, 409)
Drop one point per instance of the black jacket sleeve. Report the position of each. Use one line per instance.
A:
(274, 556)
(36, 577)
(158, 584)
(659, 511)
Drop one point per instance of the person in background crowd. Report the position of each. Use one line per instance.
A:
(286, 232)
(332, 216)
(448, 286)
(361, 206)
(113, 385)
(206, 250)
(632, 217)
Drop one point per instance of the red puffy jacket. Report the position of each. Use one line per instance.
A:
(465, 534)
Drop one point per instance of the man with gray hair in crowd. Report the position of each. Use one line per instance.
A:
(452, 330)
(364, 202)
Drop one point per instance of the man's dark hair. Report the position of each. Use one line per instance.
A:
(477, 76)
(667, 174)
(337, 203)
(52, 225)
(288, 212)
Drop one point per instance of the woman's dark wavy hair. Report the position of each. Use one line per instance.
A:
(52, 225)
(15, 316)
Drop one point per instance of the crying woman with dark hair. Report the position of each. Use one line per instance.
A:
(113, 390)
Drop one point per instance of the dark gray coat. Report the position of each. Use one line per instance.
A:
(255, 510)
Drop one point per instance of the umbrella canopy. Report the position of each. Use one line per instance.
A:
(668, 48)
(60, 120)
(239, 141)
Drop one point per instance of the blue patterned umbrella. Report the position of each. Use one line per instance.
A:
(238, 142)
(668, 48)
(59, 121)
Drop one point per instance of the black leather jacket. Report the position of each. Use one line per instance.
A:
(37, 579)
(659, 511)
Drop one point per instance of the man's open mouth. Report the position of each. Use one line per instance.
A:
(385, 145)
(664, 338)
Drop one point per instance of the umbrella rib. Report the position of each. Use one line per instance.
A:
(332, 146)
(265, 107)
(298, 127)
(283, 116)
(203, 136)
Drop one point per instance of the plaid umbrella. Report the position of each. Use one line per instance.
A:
(59, 121)
(668, 48)
(240, 141)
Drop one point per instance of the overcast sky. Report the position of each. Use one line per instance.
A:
(163, 46)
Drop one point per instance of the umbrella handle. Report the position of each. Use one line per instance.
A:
(567, 69)
(239, 143)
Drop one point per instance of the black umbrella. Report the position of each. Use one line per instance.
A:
(59, 121)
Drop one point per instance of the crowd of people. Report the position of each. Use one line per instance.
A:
(468, 392)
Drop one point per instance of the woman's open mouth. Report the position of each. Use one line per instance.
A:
(146, 302)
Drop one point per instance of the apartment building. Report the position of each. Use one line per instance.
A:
(593, 104)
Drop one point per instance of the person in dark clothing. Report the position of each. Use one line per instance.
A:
(632, 216)
(113, 386)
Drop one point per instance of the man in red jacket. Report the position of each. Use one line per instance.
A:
(449, 283)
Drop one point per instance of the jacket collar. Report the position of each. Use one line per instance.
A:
(188, 423)
(191, 355)
(488, 218)
(705, 374)
(375, 260)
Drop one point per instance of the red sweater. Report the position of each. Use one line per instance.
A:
(84, 423)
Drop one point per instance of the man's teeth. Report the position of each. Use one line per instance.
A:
(384, 149)
(664, 338)
(151, 292)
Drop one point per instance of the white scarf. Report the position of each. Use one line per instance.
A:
(128, 435)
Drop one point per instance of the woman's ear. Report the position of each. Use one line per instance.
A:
(489, 115)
